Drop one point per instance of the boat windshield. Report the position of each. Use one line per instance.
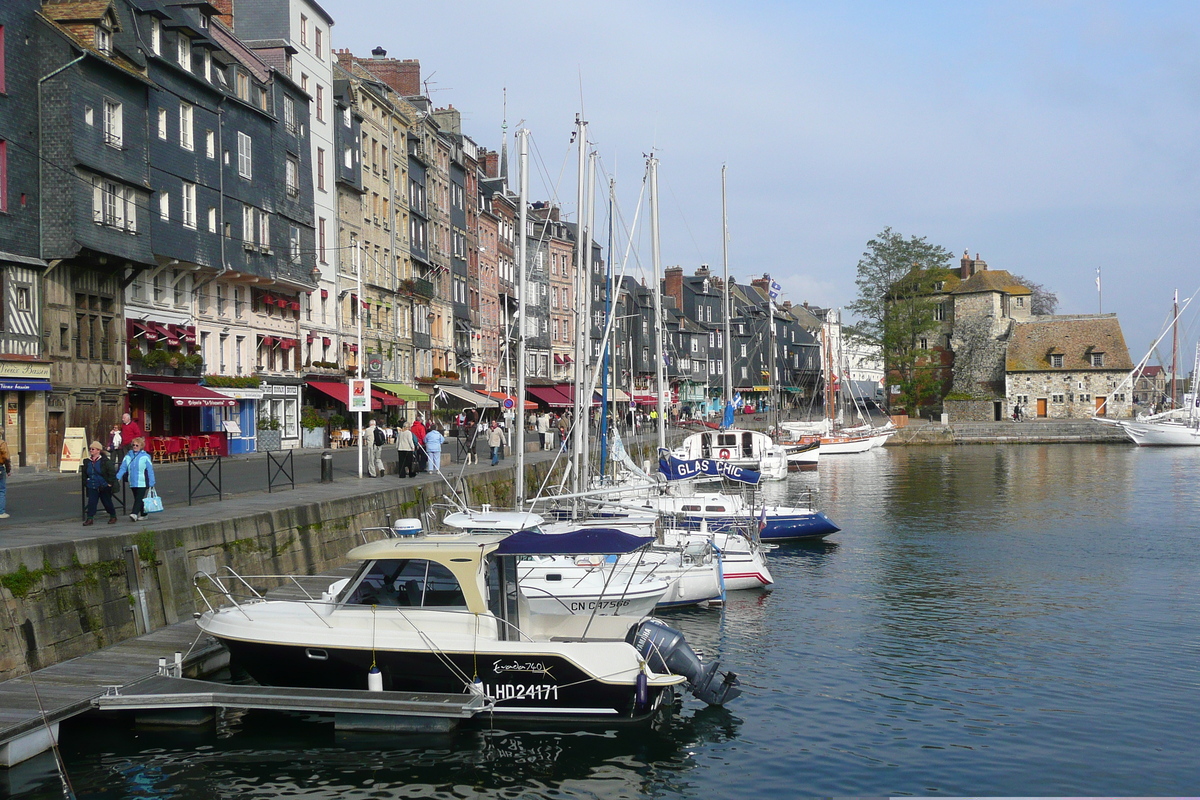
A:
(406, 582)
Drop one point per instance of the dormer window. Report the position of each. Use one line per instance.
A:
(204, 21)
(104, 39)
(185, 52)
(1097, 359)
(1056, 360)
(156, 35)
(937, 287)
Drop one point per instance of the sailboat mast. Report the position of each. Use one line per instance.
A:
(656, 290)
(522, 293)
(1175, 350)
(608, 311)
(579, 409)
(725, 313)
(773, 360)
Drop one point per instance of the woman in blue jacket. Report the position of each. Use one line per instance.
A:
(433, 445)
(138, 465)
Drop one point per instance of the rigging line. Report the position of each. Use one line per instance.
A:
(683, 217)
(59, 763)
(541, 163)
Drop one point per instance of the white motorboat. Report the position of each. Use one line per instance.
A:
(743, 448)
(443, 613)
(691, 571)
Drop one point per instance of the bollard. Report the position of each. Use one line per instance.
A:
(327, 467)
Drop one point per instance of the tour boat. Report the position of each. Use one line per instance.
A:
(748, 449)
(444, 613)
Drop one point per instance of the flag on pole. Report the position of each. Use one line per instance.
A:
(762, 519)
(774, 291)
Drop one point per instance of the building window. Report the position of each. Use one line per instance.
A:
(247, 226)
(1056, 360)
(164, 206)
(113, 205)
(264, 231)
(112, 124)
(104, 39)
(245, 156)
(212, 220)
(320, 103)
(185, 52)
(321, 239)
(1056, 398)
(210, 144)
(289, 115)
(294, 249)
(185, 126)
(317, 41)
(939, 312)
(349, 157)
(1020, 302)
(292, 176)
(320, 169)
(162, 123)
(156, 35)
(304, 30)
(1097, 359)
(208, 73)
(924, 344)
(188, 197)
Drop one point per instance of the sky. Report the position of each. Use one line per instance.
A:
(1051, 139)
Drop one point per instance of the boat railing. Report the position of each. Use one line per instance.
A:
(239, 593)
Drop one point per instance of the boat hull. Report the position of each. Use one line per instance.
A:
(777, 528)
(1160, 434)
(533, 686)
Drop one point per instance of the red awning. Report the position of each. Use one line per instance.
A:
(568, 391)
(646, 399)
(341, 393)
(269, 341)
(501, 397)
(325, 340)
(550, 396)
(385, 398)
(324, 293)
(187, 395)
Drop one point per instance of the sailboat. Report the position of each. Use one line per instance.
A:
(836, 440)
(1177, 427)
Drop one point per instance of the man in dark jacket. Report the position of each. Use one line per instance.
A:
(101, 479)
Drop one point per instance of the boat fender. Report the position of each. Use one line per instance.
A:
(641, 691)
(375, 680)
(666, 651)
(724, 454)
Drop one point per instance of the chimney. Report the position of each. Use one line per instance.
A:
(980, 264)
(224, 12)
(763, 284)
(674, 285)
(702, 271)
(402, 76)
(787, 305)
(966, 266)
(491, 163)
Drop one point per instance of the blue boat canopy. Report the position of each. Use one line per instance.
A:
(586, 541)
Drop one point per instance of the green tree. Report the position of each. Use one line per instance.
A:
(895, 307)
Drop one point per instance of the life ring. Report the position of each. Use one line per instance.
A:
(724, 454)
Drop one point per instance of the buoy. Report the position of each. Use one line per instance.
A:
(375, 680)
(724, 454)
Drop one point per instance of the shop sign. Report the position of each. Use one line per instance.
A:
(24, 371)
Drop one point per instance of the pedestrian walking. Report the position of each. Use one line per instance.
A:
(374, 439)
(406, 446)
(138, 467)
(130, 430)
(100, 479)
(543, 429)
(420, 457)
(472, 435)
(495, 440)
(433, 446)
(5, 471)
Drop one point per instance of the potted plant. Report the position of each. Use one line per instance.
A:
(154, 362)
(270, 435)
(192, 363)
(313, 425)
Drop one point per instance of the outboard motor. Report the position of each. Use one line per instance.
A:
(665, 650)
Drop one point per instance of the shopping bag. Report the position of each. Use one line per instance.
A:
(152, 501)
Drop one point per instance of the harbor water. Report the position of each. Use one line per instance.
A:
(991, 620)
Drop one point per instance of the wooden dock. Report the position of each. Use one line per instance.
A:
(354, 709)
(31, 709)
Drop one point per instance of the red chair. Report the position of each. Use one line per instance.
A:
(174, 449)
(158, 448)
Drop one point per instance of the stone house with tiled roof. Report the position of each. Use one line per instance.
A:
(1065, 367)
(986, 304)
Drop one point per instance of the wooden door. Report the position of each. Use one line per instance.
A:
(1101, 406)
(54, 438)
(1041, 408)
